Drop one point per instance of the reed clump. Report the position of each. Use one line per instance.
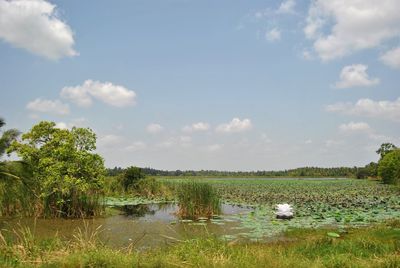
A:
(196, 199)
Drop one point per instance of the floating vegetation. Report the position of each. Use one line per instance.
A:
(317, 203)
(130, 201)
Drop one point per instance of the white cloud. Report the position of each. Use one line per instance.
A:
(341, 27)
(136, 146)
(236, 125)
(107, 92)
(34, 25)
(48, 106)
(273, 35)
(287, 7)
(110, 141)
(200, 126)
(61, 125)
(180, 141)
(389, 110)
(309, 141)
(154, 128)
(355, 127)
(355, 76)
(166, 144)
(392, 58)
(77, 122)
(78, 95)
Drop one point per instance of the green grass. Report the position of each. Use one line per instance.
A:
(376, 246)
(197, 199)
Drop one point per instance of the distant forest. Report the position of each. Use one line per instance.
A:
(359, 172)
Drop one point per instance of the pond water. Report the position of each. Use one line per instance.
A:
(152, 225)
(144, 225)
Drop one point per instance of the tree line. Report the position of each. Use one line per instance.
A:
(297, 172)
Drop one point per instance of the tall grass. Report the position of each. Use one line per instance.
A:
(376, 246)
(16, 189)
(74, 204)
(196, 199)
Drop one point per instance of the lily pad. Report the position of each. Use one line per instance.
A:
(332, 234)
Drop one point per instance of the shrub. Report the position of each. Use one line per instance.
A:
(131, 177)
(197, 200)
(389, 167)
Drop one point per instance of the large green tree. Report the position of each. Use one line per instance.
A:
(68, 176)
(385, 148)
(389, 167)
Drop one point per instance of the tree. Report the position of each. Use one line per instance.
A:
(385, 148)
(389, 167)
(131, 177)
(7, 137)
(369, 171)
(68, 176)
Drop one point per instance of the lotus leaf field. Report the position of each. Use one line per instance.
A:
(337, 203)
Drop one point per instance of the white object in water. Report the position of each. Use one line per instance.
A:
(284, 211)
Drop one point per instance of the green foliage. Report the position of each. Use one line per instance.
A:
(196, 199)
(369, 171)
(131, 178)
(149, 188)
(310, 172)
(389, 167)
(15, 189)
(386, 148)
(67, 176)
(7, 137)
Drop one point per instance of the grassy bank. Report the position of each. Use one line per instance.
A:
(377, 246)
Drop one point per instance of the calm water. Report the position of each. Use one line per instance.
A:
(143, 225)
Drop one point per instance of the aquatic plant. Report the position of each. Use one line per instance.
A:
(196, 199)
(284, 211)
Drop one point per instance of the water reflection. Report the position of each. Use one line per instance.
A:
(146, 226)
(136, 210)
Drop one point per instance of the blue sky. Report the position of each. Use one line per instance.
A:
(227, 85)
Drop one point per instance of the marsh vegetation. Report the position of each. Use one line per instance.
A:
(197, 200)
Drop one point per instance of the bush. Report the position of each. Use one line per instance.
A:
(389, 167)
(131, 178)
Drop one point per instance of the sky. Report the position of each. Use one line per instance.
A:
(223, 85)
